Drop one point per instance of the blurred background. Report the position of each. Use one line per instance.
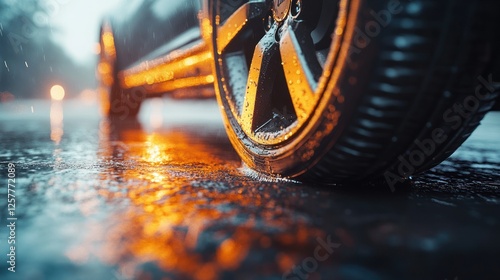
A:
(49, 44)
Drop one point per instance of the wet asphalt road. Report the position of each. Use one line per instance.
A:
(167, 198)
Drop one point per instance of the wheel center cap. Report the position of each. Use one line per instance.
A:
(281, 8)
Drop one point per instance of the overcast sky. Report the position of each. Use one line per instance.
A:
(78, 24)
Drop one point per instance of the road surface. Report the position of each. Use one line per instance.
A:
(166, 197)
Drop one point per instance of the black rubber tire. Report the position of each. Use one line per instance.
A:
(117, 103)
(424, 77)
(400, 141)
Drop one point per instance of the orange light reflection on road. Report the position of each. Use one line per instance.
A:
(155, 151)
(56, 122)
(170, 211)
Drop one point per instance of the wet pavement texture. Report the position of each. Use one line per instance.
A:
(166, 197)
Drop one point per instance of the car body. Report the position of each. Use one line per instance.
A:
(149, 32)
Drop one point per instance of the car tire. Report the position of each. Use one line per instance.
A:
(381, 90)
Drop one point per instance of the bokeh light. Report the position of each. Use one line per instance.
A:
(57, 92)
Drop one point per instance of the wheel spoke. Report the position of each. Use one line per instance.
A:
(237, 22)
(301, 67)
(262, 72)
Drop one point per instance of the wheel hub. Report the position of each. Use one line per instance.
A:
(281, 8)
(272, 57)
